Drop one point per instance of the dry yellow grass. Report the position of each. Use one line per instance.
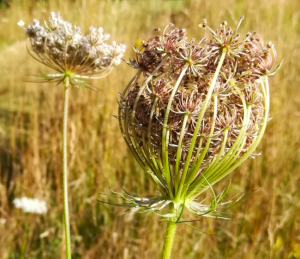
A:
(266, 225)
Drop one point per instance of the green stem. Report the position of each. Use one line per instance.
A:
(65, 172)
(200, 118)
(165, 138)
(179, 150)
(24, 243)
(169, 239)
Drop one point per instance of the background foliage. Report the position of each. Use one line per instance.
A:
(266, 225)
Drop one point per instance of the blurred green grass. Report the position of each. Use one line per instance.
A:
(266, 225)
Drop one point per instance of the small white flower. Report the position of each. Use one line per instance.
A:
(21, 23)
(116, 52)
(30, 205)
(36, 22)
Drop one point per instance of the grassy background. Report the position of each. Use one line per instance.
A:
(266, 225)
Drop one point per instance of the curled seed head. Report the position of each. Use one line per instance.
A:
(196, 107)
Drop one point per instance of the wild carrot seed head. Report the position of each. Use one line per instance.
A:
(196, 110)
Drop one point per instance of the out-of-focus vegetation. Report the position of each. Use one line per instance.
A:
(266, 225)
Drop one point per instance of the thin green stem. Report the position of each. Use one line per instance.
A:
(197, 185)
(125, 127)
(216, 159)
(179, 150)
(65, 172)
(169, 239)
(228, 158)
(231, 163)
(149, 133)
(200, 117)
(262, 130)
(129, 119)
(195, 169)
(24, 243)
(165, 138)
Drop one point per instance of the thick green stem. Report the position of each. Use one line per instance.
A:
(65, 173)
(169, 239)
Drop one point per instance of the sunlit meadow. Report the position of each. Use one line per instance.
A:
(265, 225)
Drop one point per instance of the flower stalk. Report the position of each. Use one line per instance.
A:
(192, 114)
(25, 238)
(76, 58)
(169, 240)
(65, 171)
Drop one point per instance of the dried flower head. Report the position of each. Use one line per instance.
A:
(30, 205)
(61, 46)
(195, 110)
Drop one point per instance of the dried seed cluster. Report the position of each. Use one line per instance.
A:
(196, 109)
(62, 47)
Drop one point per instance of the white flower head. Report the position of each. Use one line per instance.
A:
(62, 47)
(97, 36)
(30, 205)
(116, 52)
(21, 23)
(36, 22)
